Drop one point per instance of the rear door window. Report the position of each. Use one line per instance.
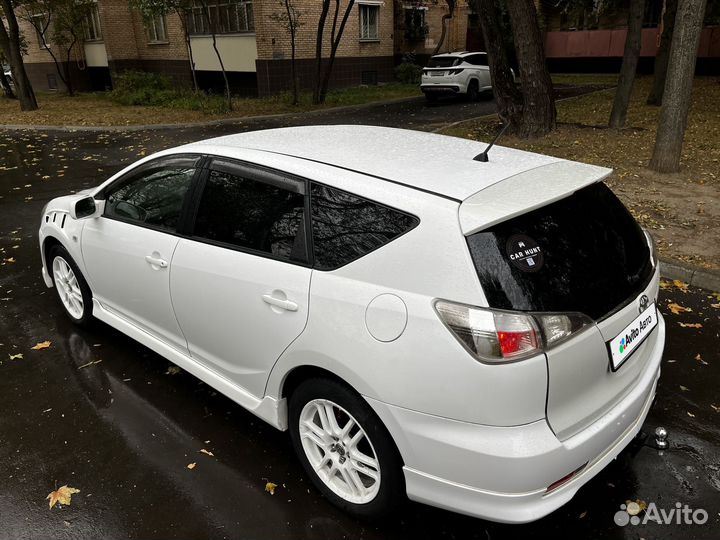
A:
(583, 253)
(477, 59)
(346, 227)
(258, 212)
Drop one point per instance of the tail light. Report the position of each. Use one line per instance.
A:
(499, 336)
(455, 71)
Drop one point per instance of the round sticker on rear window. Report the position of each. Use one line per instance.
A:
(524, 253)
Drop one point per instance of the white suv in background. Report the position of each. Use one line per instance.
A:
(456, 73)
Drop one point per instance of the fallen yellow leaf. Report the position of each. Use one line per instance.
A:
(41, 345)
(191, 465)
(61, 495)
(270, 488)
(681, 285)
(207, 452)
(691, 415)
(690, 325)
(677, 309)
(18, 356)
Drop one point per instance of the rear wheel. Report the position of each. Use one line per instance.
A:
(473, 91)
(71, 287)
(344, 448)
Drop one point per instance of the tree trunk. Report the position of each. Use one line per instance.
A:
(633, 41)
(188, 44)
(228, 96)
(538, 100)
(663, 53)
(293, 30)
(62, 71)
(678, 86)
(443, 31)
(68, 80)
(334, 47)
(10, 44)
(318, 50)
(507, 95)
(7, 89)
(211, 26)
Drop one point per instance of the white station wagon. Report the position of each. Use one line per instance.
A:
(478, 336)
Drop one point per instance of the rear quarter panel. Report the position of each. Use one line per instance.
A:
(425, 369)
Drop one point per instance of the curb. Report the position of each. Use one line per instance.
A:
(209, 123)
(697, 277)
(464, 120)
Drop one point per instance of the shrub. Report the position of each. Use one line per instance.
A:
(408, 72)
(143, 88)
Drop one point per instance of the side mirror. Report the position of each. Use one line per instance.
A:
(87, 207)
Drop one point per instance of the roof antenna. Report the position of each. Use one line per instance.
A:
(483, 156)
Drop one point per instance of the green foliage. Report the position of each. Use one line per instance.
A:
(408, 72)
(143, 88)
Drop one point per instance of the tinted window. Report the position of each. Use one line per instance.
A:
(346, 227)
(153, 197)
(477, 60)
(252, 214)
(444, 61)
(583, 253)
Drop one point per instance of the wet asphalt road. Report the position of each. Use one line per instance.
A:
(123, 430)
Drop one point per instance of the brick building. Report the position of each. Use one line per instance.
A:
(418, 28)
(254, 48)
(583, 40)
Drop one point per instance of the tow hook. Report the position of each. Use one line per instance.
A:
(661, 438)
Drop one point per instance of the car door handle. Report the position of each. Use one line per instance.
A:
(156, 261)
(277, 302)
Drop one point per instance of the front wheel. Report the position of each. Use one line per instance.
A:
(344, 448)
(71, 287)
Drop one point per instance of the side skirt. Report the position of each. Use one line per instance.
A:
(270, 409)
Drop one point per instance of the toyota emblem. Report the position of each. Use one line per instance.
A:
(644, 302)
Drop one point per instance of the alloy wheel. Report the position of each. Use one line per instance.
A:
(68, 288)
(340, 451)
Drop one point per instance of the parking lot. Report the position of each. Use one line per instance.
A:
(101, 413)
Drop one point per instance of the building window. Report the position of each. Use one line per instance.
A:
(92, 25)
(226, 17)
(369, 15)
(415, 27)
(157, 29)
(41, 26)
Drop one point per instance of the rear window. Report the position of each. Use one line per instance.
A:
(583, 253)
(346, 227)
(444, 61)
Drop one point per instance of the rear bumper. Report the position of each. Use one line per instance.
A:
(502, 473)
(441, 88)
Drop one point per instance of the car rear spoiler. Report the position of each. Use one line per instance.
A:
(526, 191)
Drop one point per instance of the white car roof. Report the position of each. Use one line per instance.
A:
(429, 162)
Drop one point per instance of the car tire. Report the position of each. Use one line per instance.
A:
(70, 285)
(364, 477)
(473, 91)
